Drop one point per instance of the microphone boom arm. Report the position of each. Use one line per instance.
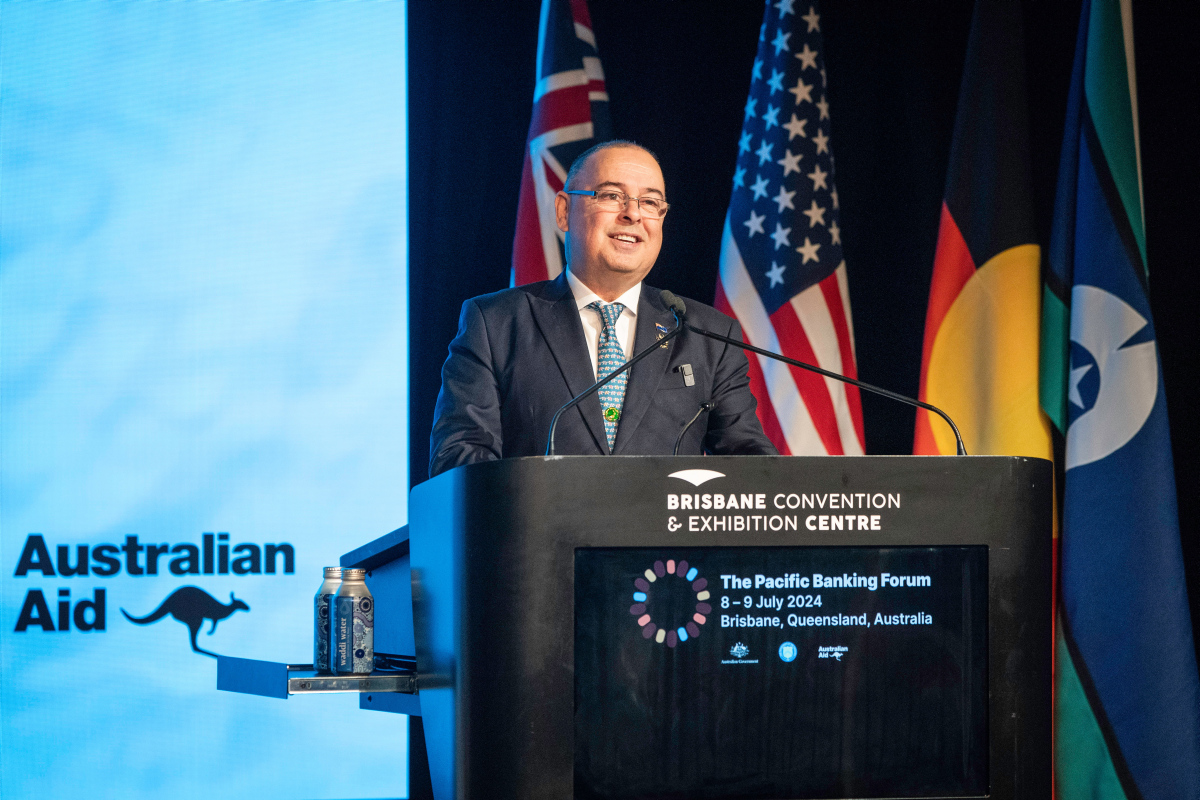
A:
(962, 450)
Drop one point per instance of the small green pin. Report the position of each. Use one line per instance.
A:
(612, 414)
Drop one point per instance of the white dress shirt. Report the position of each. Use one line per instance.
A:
(593, 325)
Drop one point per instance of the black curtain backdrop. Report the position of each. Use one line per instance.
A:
(678, 74)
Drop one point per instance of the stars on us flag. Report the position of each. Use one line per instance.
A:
(781, 42)
(784, 199)
(775, 273)
(781, 236)
(760, 187)
(791, 161)
(771, 117)
(808, 250)
(808, 57)
(755, 223)
(764, 152)
(776, 82)
(802, 90)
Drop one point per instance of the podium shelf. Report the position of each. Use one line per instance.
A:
(279, 680)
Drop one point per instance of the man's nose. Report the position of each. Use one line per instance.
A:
(632, 210)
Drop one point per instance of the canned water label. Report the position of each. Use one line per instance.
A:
(354, 635)
(321, 660)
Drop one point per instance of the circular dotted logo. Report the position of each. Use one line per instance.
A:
(668, 578)
(788, 652)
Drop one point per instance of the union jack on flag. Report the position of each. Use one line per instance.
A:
(570, 114)
(782, 272)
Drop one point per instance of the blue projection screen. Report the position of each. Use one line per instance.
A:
(203, 382)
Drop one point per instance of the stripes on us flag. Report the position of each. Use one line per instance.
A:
(782, 273)
(570, 114)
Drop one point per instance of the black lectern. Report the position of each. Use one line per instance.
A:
(731, 627)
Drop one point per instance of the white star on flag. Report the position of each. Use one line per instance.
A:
(794, 128)
(756, 72)
(817, 176)
(1073, 393)
(808, 57)
(808, 250)
(802, 91)
(823, 104)
(764, 152)
(833, 194)
(771, 117)
(835, 233)
(781, 42)
(739, 178)
(750, 103)
(755, 223)
(781, 236)
(815, 215)
(785, 7)
(776, 82)
(775, 273)
(744, 142)
(760, 187)
(822, 142)
(812, 18)
(784, 198)
(791, 163)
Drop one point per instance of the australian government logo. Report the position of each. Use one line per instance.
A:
(87, 611)
(740, 654)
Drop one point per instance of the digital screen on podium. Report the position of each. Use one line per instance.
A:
(784, 672)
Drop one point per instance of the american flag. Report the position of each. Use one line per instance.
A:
(782, 272)
(570, 114)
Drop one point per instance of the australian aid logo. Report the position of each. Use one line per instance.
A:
(71, 586)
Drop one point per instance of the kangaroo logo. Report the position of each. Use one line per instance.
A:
(192, 605)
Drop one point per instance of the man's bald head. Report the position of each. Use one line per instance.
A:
(583, 158)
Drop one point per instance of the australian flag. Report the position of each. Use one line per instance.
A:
(782, 272)
(570, 114)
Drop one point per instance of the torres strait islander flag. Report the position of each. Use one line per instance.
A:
(782, 273)
(570, 114)
(980, 357)
(1127, 694)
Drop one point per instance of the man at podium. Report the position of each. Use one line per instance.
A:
(522, 353)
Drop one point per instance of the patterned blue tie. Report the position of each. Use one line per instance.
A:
(611, 357)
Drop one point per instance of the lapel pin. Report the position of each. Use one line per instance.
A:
(662, 331)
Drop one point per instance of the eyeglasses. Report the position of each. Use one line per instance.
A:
(614, 200)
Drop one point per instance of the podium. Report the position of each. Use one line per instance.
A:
(734, 627)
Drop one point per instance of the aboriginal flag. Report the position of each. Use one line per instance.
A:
(980, 356)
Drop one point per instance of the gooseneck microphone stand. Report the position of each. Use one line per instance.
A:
(574, 401)
(680, 310)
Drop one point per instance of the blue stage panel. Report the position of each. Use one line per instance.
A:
(203, 383)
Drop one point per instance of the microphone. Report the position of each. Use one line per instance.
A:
(678, 310)
(709, 406)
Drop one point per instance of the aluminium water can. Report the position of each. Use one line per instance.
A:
(321, 616)
(353, 625)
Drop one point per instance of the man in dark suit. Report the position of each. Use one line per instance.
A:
(521, 353)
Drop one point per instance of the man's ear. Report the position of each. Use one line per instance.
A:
(561, 205)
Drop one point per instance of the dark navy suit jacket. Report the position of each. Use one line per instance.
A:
(520, 355)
